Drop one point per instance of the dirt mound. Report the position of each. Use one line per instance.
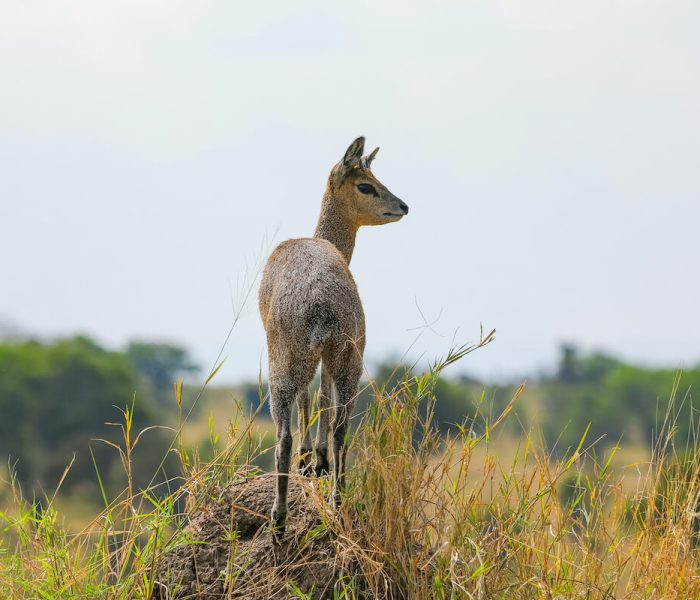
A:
(227, 550)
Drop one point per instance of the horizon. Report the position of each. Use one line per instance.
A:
(12, 334)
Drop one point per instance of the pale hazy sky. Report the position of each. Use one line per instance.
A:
(549, 152)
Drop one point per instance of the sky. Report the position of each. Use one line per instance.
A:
(153, 152)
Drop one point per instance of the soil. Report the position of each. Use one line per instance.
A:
(228, 549)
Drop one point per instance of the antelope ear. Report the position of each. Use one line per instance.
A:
(367, 160)
(351, 159)
(353, 154)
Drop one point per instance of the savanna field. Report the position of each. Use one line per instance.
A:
(209, 209)
(455, 490)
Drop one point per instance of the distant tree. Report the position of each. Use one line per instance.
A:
(467, 379)
(596, 367)
(568, 364)
(160, 365)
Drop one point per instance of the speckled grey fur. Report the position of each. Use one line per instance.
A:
(312, 312)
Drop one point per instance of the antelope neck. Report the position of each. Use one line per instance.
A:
(335, 226)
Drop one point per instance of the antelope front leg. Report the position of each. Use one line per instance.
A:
(346, 383)
(340, 428)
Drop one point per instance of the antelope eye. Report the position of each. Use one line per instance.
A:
(367, 188)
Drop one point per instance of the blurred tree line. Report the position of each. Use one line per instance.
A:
(619, 400)
(57, 398)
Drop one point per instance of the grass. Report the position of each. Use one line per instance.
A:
(423, 515)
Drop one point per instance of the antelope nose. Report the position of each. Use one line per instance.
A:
(403, 206)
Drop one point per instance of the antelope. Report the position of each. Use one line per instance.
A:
(312, 313)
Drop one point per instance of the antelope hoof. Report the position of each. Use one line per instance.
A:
(322, 466)
(278, 526)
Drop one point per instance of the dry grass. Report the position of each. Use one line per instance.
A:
(423, 516)
(434, 518)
